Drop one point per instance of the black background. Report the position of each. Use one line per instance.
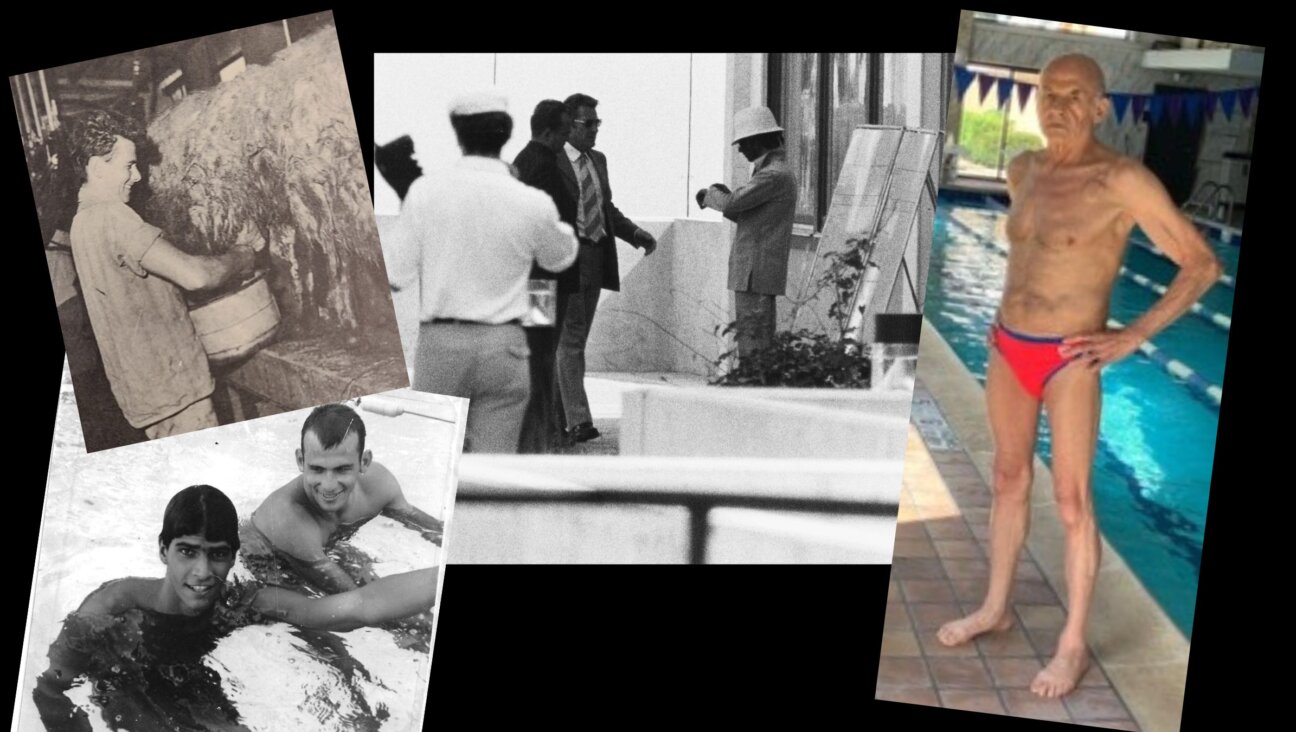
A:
(614, 645)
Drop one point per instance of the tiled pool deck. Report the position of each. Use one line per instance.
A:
(939, 571)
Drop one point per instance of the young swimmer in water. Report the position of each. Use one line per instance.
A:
(198, 543)
(339, 489)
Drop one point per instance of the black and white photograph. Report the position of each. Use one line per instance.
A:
(282, 573)
(698, 326)
(209, 231)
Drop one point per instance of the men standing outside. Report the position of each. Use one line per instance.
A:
(598, 225)
(763, 210)
(537, 166)
(469, 235)
(1074, 204)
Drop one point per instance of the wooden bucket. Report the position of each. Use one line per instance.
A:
(237, 323)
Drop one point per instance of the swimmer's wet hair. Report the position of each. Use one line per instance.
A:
(331, 423)
(200, 510)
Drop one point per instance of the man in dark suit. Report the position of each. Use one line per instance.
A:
(537, 166)
(598, 225)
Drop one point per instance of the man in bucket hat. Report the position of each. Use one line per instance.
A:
(763, 210)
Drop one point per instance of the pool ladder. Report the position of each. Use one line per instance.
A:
(1210, 201)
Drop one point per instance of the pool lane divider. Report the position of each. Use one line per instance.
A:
(1219, 320)
(1226, 280)
(1212, 393)
(1178, 369)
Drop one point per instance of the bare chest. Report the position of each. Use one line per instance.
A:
(1064, 214)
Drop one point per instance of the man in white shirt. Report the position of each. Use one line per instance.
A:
(467, 236)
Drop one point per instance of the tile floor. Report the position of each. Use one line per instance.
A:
(939, 573)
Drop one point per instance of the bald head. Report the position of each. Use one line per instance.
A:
(1079, 67)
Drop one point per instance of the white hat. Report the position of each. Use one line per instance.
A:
(479, 102)
(754, 121)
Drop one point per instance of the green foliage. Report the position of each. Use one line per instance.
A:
(803, 358)
(980, 134)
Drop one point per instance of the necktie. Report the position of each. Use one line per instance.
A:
(591, 204)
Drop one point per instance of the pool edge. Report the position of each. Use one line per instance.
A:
(1143, 653)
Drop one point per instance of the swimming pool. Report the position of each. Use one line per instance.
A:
(101, 520)
(1157, 437)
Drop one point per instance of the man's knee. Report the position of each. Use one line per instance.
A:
(1074, 502)
(1012, 477)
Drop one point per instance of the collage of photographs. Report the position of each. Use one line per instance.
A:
(923, 350)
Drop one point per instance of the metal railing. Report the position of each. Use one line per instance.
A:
(698, 485)
(1207, 200)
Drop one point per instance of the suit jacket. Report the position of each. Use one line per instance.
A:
(537, 166)
(615, 222)
(763, 210)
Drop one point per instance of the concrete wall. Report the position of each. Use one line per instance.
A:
(749, 422)
(1121, 61)
(666, 116)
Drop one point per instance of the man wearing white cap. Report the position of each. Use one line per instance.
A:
(763, 210)
(468, 236)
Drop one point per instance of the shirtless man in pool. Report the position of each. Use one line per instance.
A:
(339, 489)
(1073, 207)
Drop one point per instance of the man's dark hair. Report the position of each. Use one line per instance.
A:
(331, 423)
(200, 510)
(547, 116)
(769, 140)
(482, 134)
(576, 101)
(95, 132)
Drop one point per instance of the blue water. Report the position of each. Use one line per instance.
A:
(1157, 436)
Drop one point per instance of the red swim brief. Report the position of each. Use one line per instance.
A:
(1033, 359)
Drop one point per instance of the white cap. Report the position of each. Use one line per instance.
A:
(754, 121)
(479, 102)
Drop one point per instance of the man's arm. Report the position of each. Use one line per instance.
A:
(383, 600)
(384, 485)
(762, 188)
(57, 711)
(622, 226)
(1151, 207)
(305, 554)
(196, 272)
(402, 249)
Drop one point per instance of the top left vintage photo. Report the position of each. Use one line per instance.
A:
(209, 231)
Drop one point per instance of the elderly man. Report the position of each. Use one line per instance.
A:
(469, 235)
(763, 210)
(1074, 204)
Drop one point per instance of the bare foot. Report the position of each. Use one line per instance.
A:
(1061, 675)
(958, 632)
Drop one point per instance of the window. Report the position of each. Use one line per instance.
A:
(992, 131)
(233, 68)
(1053, 25)
(173, 86)
(819, 98)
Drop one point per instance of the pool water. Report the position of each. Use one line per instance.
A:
(102, 514)
(1157, 434)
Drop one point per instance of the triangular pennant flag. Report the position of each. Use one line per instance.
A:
(1244, 96)
(1175, 103)
(1140, 102)
(984, 81)
(1005, 91)
(1227, 100)
(1156, 105)
(1120, 102)
(1023, 94)
(1193, 105)
(1211, 100)
(963, 78)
